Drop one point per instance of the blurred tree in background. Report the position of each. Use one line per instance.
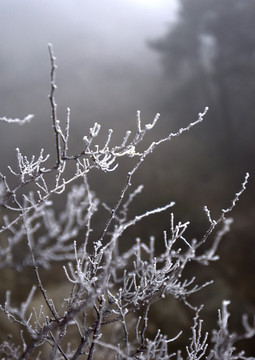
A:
(209, 58)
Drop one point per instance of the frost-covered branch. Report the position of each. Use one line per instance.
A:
(28, 118)
(111, 285)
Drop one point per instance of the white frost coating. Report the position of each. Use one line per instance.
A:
(112, 279)
(16, 120)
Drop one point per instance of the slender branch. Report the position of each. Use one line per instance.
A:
(43, 291)
(53, 104)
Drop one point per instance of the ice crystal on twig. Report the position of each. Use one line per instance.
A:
(106, 311)
(16, 120)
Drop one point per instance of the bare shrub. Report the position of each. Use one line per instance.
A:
(102, 307)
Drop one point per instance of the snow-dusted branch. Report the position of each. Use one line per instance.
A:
(26, 119)
(109, 285)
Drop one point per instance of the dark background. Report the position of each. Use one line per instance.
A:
(115, 57)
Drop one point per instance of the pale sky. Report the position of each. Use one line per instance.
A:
(105, 67)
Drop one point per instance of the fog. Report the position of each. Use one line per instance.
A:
(115, 57)
(105, 72)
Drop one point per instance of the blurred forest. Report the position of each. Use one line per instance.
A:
(206, 57)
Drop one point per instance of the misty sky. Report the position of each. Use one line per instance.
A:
(105, 67)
